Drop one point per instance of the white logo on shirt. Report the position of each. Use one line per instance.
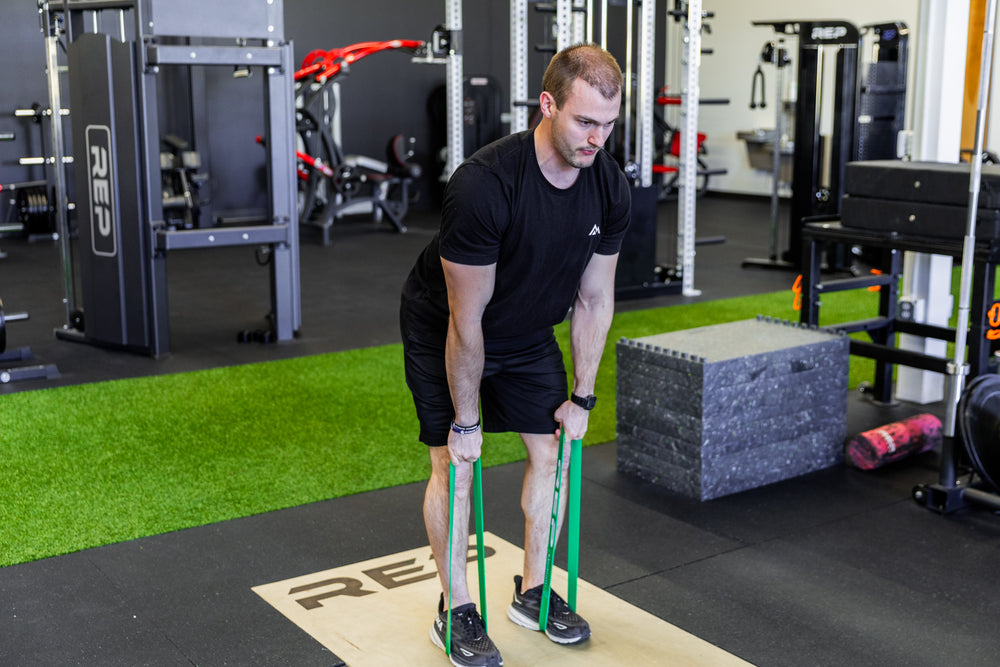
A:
(596, 231)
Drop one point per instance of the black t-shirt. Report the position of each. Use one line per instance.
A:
(499, 207)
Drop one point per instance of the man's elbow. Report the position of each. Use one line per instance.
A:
(596, 302)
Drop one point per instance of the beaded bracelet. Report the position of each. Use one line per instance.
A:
(464, 430)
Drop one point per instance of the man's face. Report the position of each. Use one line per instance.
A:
(582, 125)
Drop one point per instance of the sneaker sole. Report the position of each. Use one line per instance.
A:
(440, 644)
(525, 621)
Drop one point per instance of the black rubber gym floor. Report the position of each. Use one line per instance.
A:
(838, 567)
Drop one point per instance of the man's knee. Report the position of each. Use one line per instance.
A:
(440, 469)
(542, 448)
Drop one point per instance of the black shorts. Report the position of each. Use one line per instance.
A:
(523, 384)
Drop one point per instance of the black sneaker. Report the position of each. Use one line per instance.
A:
(470, 645)
(564, 627)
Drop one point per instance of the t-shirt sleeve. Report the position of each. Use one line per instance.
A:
(473, 217)
(619, 215)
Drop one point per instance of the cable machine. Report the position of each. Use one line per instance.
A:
(816, 189)
(116, 50)
(868, 111)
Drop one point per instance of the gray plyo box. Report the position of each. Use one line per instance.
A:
(716, 410)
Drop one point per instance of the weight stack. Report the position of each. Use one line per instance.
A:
(715, 410)
(115, 248)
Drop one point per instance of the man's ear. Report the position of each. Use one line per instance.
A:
(547, 104)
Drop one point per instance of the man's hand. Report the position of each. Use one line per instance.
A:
(573, 420)
(465, 448)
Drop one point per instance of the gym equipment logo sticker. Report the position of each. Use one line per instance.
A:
(100, 176)
(828, 33)
(993, 320)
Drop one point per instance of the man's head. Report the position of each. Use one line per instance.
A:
(588, 62)
(582, 91)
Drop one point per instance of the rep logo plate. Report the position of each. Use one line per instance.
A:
(378, 612)
(828, 33)
(100, 177)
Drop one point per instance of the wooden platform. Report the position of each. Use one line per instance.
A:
(374, 612)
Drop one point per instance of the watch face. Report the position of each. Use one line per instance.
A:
(587, 403)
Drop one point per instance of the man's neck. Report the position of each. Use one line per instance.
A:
(554, 168)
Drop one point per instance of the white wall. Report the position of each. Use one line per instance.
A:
(729, 70)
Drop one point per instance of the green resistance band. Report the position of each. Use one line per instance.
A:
(451, 534)
(573, 514)
(477, 490)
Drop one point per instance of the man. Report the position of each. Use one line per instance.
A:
(531, 227)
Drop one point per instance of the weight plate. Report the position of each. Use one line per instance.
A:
(979, 425)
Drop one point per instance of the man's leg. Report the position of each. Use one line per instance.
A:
(536, 502)
(427, 379)
(563, 625)
(436, 504)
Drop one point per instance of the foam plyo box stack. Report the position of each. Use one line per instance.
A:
(712, 411)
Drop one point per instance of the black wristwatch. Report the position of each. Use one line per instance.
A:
(585, 402)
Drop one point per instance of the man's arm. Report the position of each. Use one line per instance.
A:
(593, 311)
(470, 288)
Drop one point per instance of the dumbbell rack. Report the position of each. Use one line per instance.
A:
(16, 373)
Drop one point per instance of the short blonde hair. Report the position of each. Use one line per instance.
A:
(585, 61)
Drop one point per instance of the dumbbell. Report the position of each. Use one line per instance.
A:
(256, 336)
(4, 319)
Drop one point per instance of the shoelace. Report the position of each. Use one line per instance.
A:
(558, 606)
(472, 624)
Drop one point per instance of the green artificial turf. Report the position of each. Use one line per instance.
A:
(99, 463)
